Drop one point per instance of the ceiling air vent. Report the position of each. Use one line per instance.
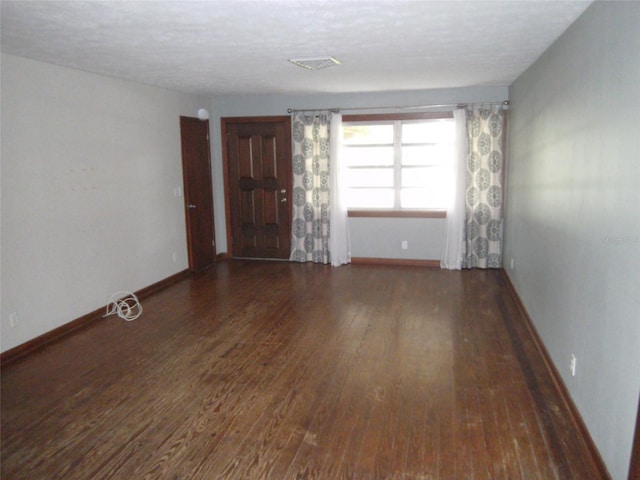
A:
(315, 63)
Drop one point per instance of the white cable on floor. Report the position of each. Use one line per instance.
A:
(125, 304)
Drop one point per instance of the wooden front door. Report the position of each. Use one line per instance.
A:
(198, 197)
(258, 161)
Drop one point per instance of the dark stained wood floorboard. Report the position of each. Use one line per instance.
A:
(261, 370)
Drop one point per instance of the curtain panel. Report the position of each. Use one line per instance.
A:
(339, 239)
(454, 243)
(484, 188)
(311, 185)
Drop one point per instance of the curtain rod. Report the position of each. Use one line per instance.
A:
(505, 106)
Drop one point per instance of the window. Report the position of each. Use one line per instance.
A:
(398, 162)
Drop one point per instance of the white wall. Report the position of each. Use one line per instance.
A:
(428, 233)
(89, 166)
(573, 215)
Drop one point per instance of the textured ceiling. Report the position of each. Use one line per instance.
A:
(242, 46)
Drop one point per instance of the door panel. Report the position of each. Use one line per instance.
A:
(258, 159)
(198, 198)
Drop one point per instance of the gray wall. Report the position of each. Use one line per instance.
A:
(573, 215)
(89, 169)
(424, 236)
(383, 237)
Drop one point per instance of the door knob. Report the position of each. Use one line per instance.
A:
(284, 190)
(283, 200)
(191, 205)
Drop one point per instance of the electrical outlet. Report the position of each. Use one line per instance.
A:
(511, 264)
(13, 319)
(174, 257)
(404, 245)
(572, 365)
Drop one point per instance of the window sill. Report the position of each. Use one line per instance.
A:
(398, 213)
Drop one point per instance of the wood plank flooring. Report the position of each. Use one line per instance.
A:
(260, 370)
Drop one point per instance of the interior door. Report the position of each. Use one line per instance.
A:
(258, 161)
(198, 197)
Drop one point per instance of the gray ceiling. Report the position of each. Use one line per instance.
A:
(242, 46)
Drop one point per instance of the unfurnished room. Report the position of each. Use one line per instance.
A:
(311, 239)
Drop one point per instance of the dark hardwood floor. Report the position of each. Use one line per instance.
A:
(282, 371)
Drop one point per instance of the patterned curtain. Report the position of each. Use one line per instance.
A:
(310, 229)
(483, 200)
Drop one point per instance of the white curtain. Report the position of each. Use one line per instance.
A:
(339, 242)
(454, 245)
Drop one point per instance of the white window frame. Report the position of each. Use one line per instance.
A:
(396, 120)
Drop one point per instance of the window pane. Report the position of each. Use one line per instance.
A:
(370, 177)
(425, 177)
(429, 131)
(427, 154)
(368, 134)
(422, 198)
(370, 198)
(365, 156)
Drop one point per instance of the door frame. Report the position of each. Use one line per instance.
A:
(224, 121)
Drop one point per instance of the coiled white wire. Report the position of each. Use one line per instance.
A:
(125, 304)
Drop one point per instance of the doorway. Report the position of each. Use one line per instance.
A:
(198, 196)
(257, 160)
